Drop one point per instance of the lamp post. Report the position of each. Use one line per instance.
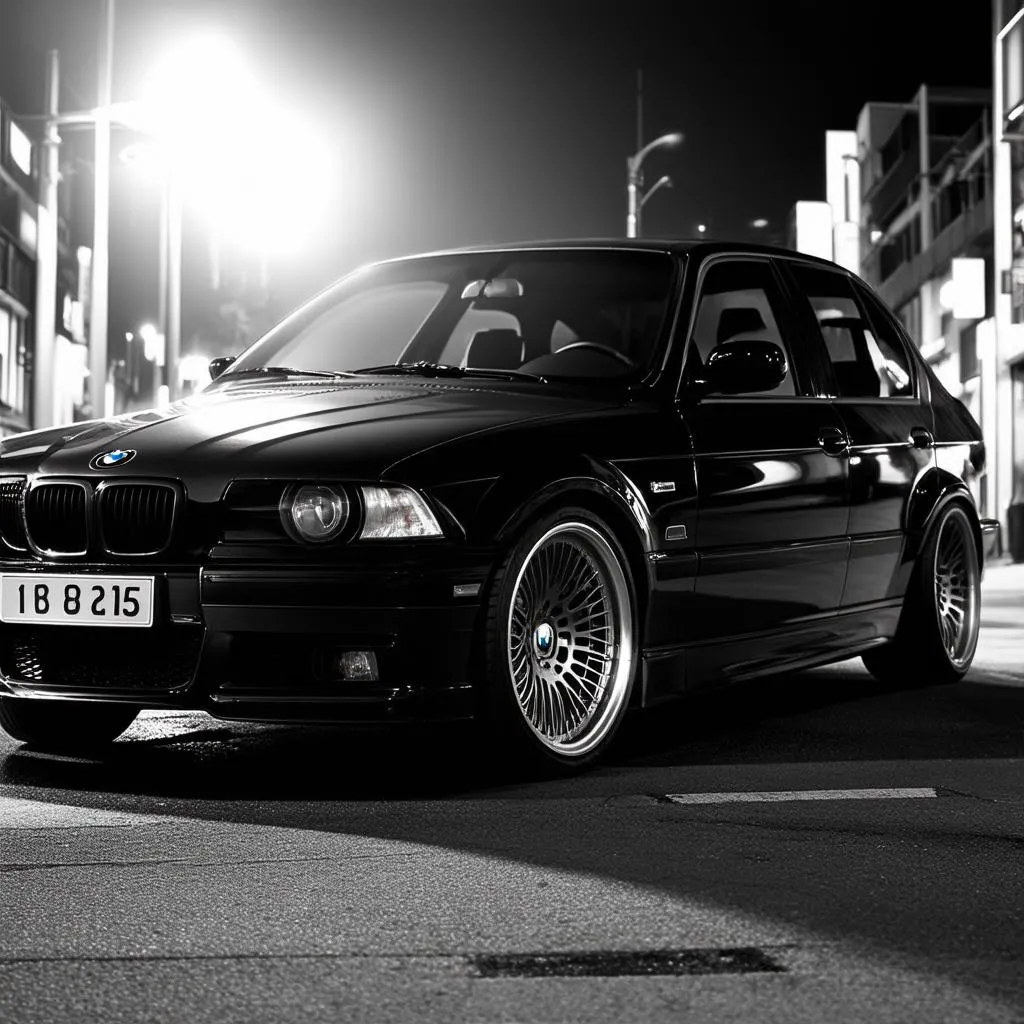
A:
(634, 200)
(663, 182)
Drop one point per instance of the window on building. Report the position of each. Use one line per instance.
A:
(969, 352)
(12, 362)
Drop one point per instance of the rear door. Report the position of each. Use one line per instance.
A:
(771, 472)
(875, 390)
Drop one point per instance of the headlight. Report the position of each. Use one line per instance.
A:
(396, 513)
(314, 512)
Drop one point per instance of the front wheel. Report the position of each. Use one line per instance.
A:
(64, 725)
(938, 631)
(562, 640)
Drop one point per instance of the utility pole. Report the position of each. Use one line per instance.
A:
(172, 343)
(101, 218)
(634, 178)
(45, 340)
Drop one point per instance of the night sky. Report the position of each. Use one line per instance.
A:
(455, 122)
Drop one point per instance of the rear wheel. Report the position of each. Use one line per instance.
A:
(64, 725)
(562, 641)
(938, 631)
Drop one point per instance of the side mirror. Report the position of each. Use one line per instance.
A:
(219, 365)
(744, 365)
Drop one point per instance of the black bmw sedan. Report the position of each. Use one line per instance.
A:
(535, 486)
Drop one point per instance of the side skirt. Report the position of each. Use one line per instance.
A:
(672, 670)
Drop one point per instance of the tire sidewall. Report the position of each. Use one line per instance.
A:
(923, 620)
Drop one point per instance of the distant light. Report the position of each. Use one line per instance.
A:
(194, 367)
(152, 340)
(129, 336)
(759, 223)
(163, 395)
(21, 149)
(969, 289)
(876, 236)
(702, 228)
(1016, 112)
(28, 230)
(947, 295)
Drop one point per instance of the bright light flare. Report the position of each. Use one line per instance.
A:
(261, 173)
(194, 368)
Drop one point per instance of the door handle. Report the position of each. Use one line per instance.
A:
(921, 438)
(833, 441)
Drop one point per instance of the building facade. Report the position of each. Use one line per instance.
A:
(1007, 362)
(19, 210)
(20, 219)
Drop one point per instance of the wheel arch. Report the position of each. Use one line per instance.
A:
(936, 492)
(514, 504)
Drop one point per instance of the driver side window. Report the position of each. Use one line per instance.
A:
(739, 299)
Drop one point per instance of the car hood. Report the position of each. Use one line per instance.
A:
(354, 429)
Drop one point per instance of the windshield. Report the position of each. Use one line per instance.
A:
(560, 314)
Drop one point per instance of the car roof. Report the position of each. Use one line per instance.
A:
(699, 248)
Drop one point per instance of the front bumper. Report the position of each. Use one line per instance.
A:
(259, 642)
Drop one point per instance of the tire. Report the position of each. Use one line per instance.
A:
(63, 726)
(937, 635)
(558, 682)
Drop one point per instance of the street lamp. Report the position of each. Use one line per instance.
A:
(633, 180)
(210, 120)
(664, 181)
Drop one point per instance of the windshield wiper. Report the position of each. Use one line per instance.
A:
(425, 368)
(282, 371)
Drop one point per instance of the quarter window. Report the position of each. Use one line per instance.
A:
(739, 299)
(866, 362)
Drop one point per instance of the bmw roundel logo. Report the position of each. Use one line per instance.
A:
(118, 457)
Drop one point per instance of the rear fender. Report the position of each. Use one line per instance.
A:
(935, 492)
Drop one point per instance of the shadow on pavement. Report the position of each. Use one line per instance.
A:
(845, 875)
(836, 714)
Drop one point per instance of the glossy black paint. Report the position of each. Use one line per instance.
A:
(764, 533)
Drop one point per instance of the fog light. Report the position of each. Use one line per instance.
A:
(356, 666)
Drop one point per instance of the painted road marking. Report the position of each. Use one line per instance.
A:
(785, 796)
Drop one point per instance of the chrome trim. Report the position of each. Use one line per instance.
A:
(663, 486)
(105, 485)
(677, 532)
(36, 483)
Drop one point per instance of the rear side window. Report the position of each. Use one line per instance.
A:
(867, 356)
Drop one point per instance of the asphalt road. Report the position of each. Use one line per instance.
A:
(212, 872)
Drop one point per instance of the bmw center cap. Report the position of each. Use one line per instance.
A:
(118, 457)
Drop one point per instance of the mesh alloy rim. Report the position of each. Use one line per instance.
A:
(956, 589)
(570, 641)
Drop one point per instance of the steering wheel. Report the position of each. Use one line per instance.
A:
(605, 350)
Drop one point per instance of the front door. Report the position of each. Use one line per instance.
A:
(772, 479)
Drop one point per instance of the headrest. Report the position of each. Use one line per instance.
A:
(739, 320)
(496, 349)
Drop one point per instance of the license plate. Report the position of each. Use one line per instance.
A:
(77, 600)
